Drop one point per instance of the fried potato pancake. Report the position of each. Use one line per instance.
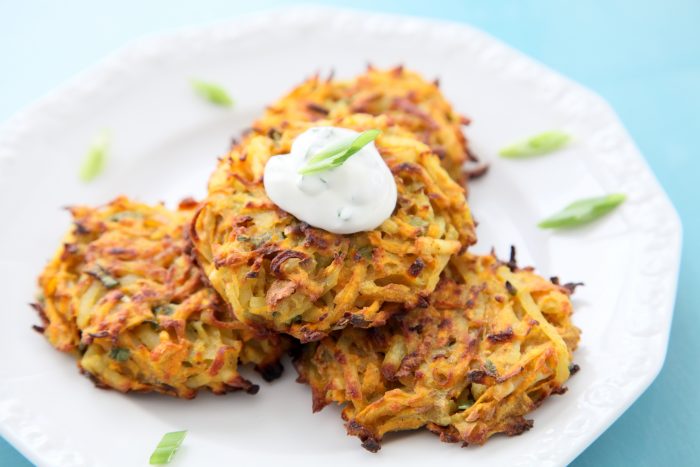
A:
(124, 295)
(494, 342)
(403, 96)
(279, 273)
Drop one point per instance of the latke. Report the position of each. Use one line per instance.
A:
(281, 274)
(491, 346)
(124, 295)
(403, 96)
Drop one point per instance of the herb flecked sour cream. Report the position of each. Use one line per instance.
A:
(356, 196)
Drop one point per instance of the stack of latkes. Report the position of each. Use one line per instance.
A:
(401, 325)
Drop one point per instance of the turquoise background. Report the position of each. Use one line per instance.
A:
(642, 56)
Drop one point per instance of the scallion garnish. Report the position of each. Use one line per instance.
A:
(490, 368)
(116, 217)
(539, 144)
(212, 92)
(166, 310)
(102, 275)
(336, 154)
(366, 252)
(96, 157)
(583, 211)
(119, 354)
(166, 448)
(465, 406)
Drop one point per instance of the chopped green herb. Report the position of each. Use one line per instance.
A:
(336, 154)
(262, 239)
(102, 275)
(297, 319)
(490, 367)
(257, 240)
(212, 92)
(417, 221)
(125, 215)
(465, 406)
(166, 448)
(119, 354)
(583, 211)
(366, 252)
(167, 309)
(543, 143)
(96, 157)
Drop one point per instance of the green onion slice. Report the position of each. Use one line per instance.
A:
(543, 143)
(366, 252)
(166, 448)
(102, 275)
(583, 211)
(96, 157)
(118, 216)
(336, 154)
(212, 92)
(490, 367)
(119, 354)
(166, 310)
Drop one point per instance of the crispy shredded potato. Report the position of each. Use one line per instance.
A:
(284, 275)
(124, 296)
(491, 346)
(403, 96)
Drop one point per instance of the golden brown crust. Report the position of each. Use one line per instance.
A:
(492, 345)
(124, 295)
(284, 275)
(401, 95)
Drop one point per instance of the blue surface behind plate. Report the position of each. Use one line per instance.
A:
(642, 56)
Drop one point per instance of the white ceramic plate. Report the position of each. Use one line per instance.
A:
(165, 141)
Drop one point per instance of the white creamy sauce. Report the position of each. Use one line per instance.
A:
(357, 196)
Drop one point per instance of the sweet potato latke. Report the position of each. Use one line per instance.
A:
(403, 96)
(124, 296)
(281, 274)
(493, 344)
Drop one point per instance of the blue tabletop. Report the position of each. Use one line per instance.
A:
(642, 56)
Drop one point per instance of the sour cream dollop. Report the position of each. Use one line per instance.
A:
(357, 196)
